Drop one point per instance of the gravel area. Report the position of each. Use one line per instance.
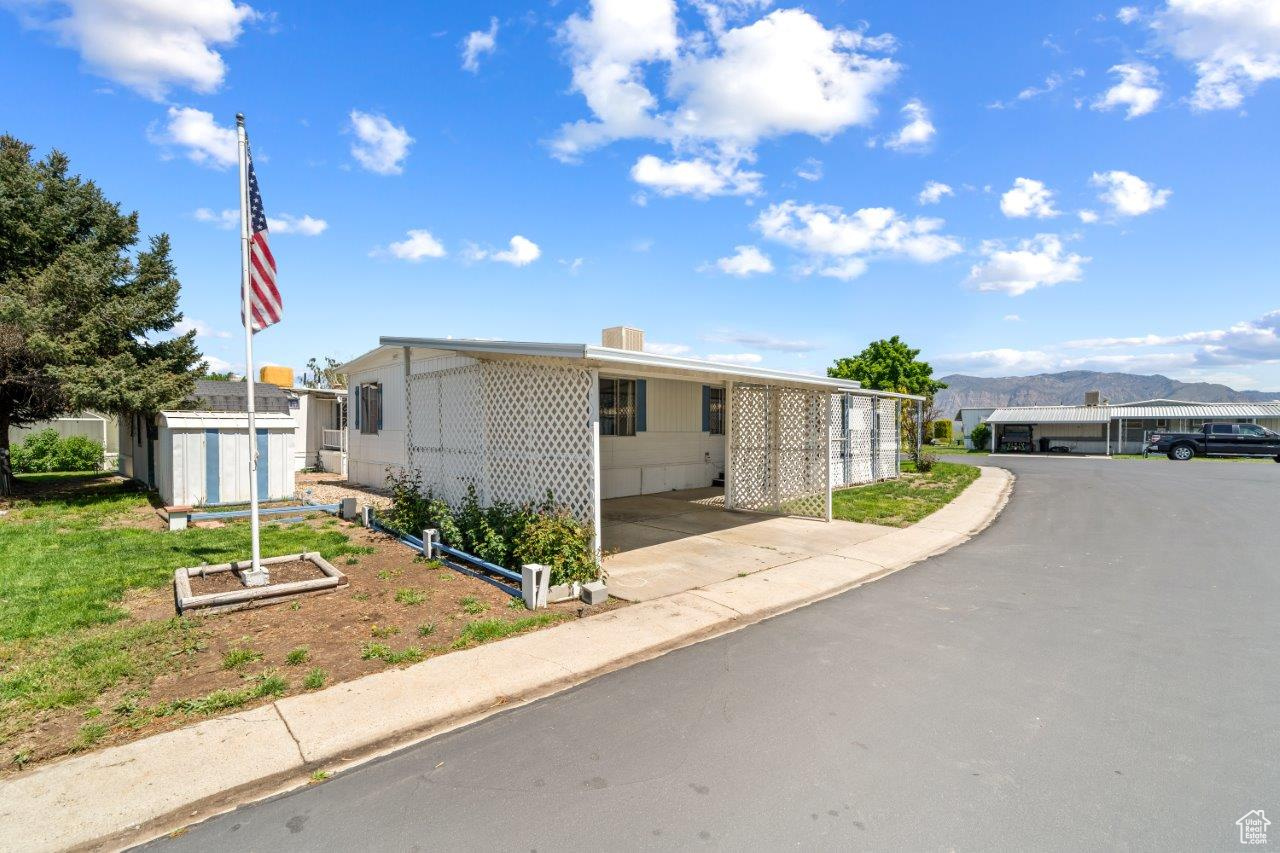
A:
(331, 488)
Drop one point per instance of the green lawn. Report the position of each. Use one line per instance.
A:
(953, 450)
(67, 558)
(906, 500)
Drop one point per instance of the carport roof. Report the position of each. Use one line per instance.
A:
(619, 359)
(1102, 414)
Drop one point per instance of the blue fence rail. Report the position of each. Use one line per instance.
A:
(482, 566)
(268, 510)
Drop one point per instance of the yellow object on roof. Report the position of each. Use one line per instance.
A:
(276, 375)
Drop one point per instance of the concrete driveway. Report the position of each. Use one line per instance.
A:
(658, 545)
(1096, 671)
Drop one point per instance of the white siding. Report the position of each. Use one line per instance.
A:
(672, 453)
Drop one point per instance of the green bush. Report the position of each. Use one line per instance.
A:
(924, 461)
(980, 436)
(942, 431)
(45, 451)
(502, 533)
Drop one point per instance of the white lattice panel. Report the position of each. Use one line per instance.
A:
(514, 430)
(781, 442)
(888, 437)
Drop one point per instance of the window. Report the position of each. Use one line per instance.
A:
(1220, 429)
(715, 411)
(369, 415)
(1252, 429)
(617, 406)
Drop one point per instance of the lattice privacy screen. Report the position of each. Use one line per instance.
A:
(780, 446)
(852, 440)
(888, 437)
(514, 430)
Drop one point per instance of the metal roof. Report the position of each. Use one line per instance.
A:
(1102, 414)
(625, 359)
(220, 395)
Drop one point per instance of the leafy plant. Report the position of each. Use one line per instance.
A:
(924, 460)
(236, 658)
(315, 679)
(297, 656)
(980, 436)
(89, 734)
(386, 654)
(471, 604)
(384, 631)
(426, 629)
(563, 544)
(942, 431)
(46, 451)
(484, 630)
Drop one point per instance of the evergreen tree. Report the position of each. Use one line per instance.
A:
(77, 305)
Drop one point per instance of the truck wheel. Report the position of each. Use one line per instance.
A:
(1181, 453)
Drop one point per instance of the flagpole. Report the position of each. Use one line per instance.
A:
(256, 576)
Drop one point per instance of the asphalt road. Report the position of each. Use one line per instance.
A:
(1100, 669)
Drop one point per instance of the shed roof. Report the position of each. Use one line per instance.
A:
(617, 359)
(1102, 414)
(220, 395)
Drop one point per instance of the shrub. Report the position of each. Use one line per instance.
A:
(942, 431)
(563, 544)
(980, 436)
(45, 451)
(924, 461)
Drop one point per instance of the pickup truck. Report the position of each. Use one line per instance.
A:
(1217, 440)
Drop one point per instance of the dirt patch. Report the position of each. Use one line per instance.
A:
(396, 609)
(294, 570)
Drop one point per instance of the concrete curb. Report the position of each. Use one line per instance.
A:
(135, 791)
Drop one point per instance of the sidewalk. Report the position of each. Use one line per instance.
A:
(128, 793)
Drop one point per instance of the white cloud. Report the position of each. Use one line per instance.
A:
(658, 348)
(417, 244)
(934, 192)
(1127, 194)
(221, 365)
(1052, 82)
(810, 169)
(1026, 198)
(1088, 217)
(1233, 46)
(479, 43)
(1038, 262)
(726, 89)
(200, 327)
(1012, 318)
(381, 146)
(841, 243)
(761, 341)
(1128, 14)
(224, 219)
(747, 260)
(286, 223)
(574, 266)
(739, 358)
(917, 132)
(202, 139)
(698, 178)
(1137, 90)
(147, 45)
(305, 225)
(1197, 355)
(520, 252)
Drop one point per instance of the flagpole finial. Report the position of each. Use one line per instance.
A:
(240, 119)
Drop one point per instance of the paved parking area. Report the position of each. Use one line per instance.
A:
(658, 545)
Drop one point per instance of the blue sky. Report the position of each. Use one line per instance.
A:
(742, 179)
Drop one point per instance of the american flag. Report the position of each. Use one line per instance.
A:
(264, 298)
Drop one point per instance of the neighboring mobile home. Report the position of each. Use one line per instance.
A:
(200, 456)
(320, 416)
(516, 420)
(104, 429)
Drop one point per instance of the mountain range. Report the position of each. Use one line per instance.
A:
(1049, 389)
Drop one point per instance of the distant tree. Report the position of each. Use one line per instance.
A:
(980, 436)
(325, 375)
(892, 365)
(889, 365)
(223, 376)
(77, 305)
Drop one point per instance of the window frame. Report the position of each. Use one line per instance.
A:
(715, 410)
(370, 418)
(617, 419)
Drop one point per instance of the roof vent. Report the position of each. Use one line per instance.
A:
(1091, 398)
(623, 337)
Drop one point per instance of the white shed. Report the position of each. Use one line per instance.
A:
(202, 458)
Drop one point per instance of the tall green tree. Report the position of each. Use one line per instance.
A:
(889, 365)
(326, 375)
(78, 306)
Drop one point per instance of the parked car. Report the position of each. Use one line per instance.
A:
(1217, 440)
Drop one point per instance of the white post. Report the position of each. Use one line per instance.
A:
(728, 445)
(257, 575)
(1108, 436)
(826, 446)
(594, 405)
